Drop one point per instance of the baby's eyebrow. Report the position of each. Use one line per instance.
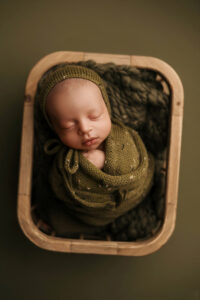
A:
(91, 111)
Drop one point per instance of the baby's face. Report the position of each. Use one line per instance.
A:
(79, 114)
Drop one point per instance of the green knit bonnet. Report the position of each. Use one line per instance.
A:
(66, 72)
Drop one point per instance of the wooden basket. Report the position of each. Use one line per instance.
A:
(49, 242)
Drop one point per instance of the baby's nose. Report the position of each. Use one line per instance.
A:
(84, 127)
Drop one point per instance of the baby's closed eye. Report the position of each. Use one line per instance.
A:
(94, 116)
(68, 127)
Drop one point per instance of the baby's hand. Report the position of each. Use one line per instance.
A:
(96, 157)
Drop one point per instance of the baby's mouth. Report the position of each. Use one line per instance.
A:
(90, 141)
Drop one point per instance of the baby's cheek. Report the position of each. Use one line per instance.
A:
(105, 126)
(66, 139)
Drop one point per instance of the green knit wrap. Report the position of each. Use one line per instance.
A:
(95, 196)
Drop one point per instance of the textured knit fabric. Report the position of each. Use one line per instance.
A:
(95, 196)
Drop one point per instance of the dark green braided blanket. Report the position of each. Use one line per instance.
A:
(138, 100)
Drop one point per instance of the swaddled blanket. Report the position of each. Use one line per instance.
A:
(95, 196)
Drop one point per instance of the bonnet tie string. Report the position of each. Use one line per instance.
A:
(52, 146)
(71, 164)
(71, 161)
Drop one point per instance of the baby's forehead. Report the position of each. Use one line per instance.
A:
(73, 85)
(70, 86)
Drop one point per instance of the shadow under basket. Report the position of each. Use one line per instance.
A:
(36, 229)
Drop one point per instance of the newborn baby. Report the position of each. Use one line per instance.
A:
(101, 167)
(80, 118)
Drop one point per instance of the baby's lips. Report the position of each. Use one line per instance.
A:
(90, 141)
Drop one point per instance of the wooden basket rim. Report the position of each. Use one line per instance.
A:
(26, 159)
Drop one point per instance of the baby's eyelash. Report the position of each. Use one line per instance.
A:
(67, 128)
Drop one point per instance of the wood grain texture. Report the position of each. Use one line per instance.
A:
(173, 160)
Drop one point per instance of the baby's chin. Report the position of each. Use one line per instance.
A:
(91, 147)
(87, 147)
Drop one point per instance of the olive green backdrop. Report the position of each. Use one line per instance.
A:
(168, 30)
